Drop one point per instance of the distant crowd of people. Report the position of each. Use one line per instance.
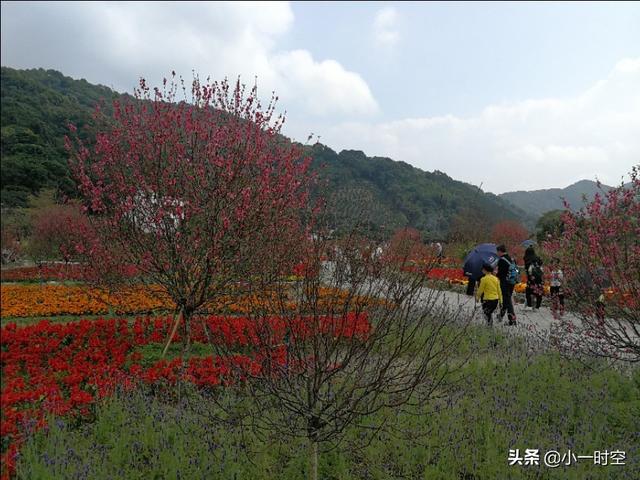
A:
(495, 289)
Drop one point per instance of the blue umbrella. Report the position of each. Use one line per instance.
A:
(528, 243)
(477, 257)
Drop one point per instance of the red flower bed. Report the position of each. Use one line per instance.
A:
(62, 369)
(53, 271)
(438, 273)
(446, 274)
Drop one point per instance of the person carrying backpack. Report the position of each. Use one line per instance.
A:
(534, 283)
(508, 275)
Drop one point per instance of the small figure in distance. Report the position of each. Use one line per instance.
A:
(439, 251)
(533, 266)
(556, 290)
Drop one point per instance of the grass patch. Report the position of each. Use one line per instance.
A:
(23, 321)
(152, 352)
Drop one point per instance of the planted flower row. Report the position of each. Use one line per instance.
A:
(45, 272)
(28, 300)
(61, 369)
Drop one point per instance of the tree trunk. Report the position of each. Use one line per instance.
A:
(173, 332)
(186, 344)
(313, 458)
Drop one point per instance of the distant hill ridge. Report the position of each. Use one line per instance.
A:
(38, 104)
(537, 202)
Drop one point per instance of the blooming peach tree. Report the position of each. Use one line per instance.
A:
(599, 252)
(192, 193)
(53, 232)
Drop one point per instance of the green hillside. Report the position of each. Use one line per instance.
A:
(396, 194)
(537, 202)
(37, 106)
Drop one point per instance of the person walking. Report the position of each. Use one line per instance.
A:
(556, 292)
(508, 275)
(529, 257)
(489, 293)
(471, 285)
(534, 283)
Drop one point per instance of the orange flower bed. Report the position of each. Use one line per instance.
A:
(332, 297)
(51, 300)
(329, 299)
(520, 287)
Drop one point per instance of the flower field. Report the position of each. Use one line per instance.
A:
(32, 300)
(62, 369)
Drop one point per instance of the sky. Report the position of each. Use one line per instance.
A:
(506, 96)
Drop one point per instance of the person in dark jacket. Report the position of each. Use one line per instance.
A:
(471, 286)
(534, 282)
(529, 257)
(504, 263)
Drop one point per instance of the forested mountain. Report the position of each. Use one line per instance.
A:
(396, 194)
(38, 104)
(537, 202)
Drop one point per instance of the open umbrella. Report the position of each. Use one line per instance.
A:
(528, 243)
(477, 257)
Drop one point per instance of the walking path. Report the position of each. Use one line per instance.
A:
(540, 325)
(542, 319)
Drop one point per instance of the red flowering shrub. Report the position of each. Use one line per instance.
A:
(54, 231)
(406, 247)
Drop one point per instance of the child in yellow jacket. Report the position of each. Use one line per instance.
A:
(489, 293)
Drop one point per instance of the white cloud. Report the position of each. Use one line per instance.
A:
(115, 43)
(330, 83)
(385, 27)
(523, 145)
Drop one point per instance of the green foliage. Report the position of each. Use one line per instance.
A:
(549, 224)
(152, 352)
(507, 399)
